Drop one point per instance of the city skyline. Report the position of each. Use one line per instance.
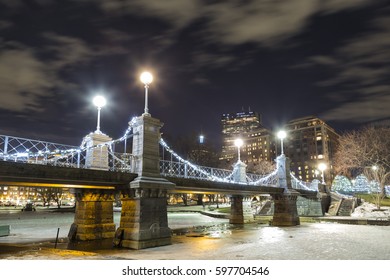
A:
(285, 60)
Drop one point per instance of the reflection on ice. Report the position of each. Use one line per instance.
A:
(271, 234)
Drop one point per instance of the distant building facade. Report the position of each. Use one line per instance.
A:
(309, 142)
(258, 141)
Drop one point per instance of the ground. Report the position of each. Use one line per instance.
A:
(212, 239)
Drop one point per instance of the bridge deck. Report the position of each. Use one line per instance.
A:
(186, 185)
(35, 175)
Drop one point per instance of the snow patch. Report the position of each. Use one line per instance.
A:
(369, 210)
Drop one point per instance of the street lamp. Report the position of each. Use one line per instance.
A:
(146, 79)
(238, 143)
(322, 167)
(99, 101)
(281, 135)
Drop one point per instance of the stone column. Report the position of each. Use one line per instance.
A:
(240, 210)
(285, 204)
(94, 216)
(144, 220)
(96, 156)
(236, 211)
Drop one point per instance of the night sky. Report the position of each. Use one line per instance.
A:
(284, 59)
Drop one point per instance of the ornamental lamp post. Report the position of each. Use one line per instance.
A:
(322, 167)
(146, 79)
(99, 101)
(281, 135)
(238, 143)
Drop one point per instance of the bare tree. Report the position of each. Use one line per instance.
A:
(261, 167)
(366, 151)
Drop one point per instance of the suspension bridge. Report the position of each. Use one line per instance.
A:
(95, 170)
(30, 151)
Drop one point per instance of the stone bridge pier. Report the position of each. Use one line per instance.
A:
(285, 204)
(144, 219)
(93, 217)
(240, 209)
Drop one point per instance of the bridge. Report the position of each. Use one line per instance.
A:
(95, 173)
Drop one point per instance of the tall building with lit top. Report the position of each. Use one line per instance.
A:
(258, 142)
(310, 141)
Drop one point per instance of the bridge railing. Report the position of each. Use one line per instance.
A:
(265, 180)
(121, 162)
(39, 152)
(188, 170)
(30, 151)
(301, 185)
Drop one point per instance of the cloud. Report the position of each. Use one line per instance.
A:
(67, 50)
(362, 68)
(366, 109)
(226, 25)
(332, 6)
(234, 22)
(178, 12)
(23, 80)
(265, 22)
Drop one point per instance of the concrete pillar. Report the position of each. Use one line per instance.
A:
(285, 204)
(236, 212)
(285, 210)
(93, 217)
(96, 157)
(240, 210)
(144, 220)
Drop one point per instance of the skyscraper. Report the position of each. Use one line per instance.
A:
(258, 143)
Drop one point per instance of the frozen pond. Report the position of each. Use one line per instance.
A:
(43, 225)
(210, 238)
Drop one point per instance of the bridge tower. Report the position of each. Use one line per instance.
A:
(240, 209)
(94, 212)
(96, 154)
(144, 220)
(285, 204)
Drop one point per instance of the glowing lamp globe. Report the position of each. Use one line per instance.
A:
(322, 166)
(238, 142)
(146, 78)
(282, 134)
(99, 101)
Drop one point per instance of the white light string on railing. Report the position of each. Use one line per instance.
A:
(300, 182)
(180, 159)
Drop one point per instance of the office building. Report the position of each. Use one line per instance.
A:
(258, 143)
(310, 142)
